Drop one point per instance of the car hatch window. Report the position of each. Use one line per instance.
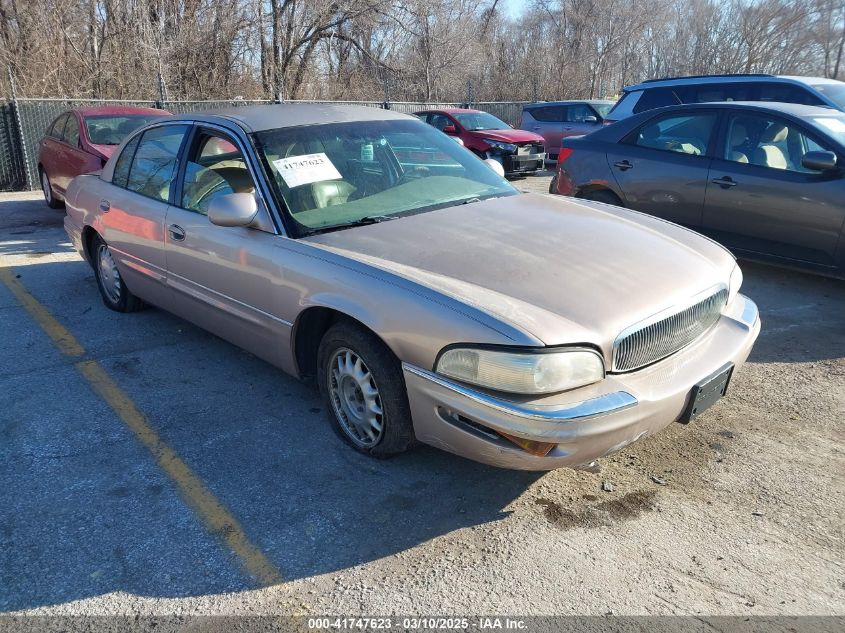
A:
(71, 132)
(151, 172)
(656, 98)
(684, 134)
(769, 142)
(214, 168)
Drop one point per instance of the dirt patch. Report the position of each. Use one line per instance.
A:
(606, 513)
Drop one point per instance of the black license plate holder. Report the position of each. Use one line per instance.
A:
(707, 392)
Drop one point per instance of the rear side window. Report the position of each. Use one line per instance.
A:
(625, 106)
(549, 113)
(708, 92)
(684, 134)
(151, 172)
(787, 93)
(71, 133)
(121, 167)
(656, 98)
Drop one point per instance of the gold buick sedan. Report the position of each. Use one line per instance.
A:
(430, 300)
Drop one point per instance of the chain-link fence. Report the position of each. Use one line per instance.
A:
(24, 121)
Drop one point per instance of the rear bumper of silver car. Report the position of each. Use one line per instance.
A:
(583, 424)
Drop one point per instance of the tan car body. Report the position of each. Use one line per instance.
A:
(524, 271)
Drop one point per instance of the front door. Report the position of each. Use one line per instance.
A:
(223, 278)
(761, 199)
(661, 168)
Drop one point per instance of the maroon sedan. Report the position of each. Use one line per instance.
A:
(518, 151)
(80, 141)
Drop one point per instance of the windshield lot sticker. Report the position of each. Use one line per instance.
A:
(305, 169)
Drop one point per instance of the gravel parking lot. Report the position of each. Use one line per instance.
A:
(740, 512)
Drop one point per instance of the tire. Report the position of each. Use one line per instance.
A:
(47, 190)
(603, 195)
(553, 184)
(358, 375)
(112, 288)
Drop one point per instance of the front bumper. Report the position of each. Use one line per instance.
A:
(585, 423)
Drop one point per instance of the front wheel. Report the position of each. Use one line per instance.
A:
(112, 288)
(47, 190)
(363, 391)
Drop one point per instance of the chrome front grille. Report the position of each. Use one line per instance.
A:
(662, 335)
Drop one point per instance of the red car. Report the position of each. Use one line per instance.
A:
(518, 151)
(81, 141)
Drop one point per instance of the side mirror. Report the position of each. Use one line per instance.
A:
(233, 209)
(496, 166)
(450, 129)
(590, 119)
(819, 161)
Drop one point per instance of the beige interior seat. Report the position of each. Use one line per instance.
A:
(768, 154)
(238, 179)
(331, 192)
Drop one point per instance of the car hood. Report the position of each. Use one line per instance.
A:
(508, 136)
(562, 270)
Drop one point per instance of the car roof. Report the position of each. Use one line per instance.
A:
(795, 109)
(450, 110)
(540, 104)
(738, 78)
(116, 110)
(257, 118)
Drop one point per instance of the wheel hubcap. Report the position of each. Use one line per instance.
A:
(45, 185)
(355, 398)
(109, 277)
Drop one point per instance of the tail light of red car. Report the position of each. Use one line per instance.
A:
(565, 152)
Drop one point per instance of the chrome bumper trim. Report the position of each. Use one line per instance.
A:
(602, 405)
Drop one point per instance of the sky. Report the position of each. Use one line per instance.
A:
(514, 8)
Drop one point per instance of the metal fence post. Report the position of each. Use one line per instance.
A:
(386, 104)
(19, 122)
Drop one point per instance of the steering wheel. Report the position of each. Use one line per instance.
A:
(420, 171)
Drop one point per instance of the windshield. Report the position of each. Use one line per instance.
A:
(833, 91)
(111, 129)
(602, 108)
(336, 175)
(833, 126)
(473, 121)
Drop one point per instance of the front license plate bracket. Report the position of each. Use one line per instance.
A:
(706, 392)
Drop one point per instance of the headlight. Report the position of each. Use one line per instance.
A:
(734, 284)
(523, 372)
(505, 147)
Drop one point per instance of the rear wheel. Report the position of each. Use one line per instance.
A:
(47, 190)
(363, 391)
(113, 290)
(553, 184)
(603, 195)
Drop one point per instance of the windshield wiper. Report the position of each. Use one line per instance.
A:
(367, 219)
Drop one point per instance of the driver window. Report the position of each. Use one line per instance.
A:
(768, 142)
(215, 167)
(440, 121)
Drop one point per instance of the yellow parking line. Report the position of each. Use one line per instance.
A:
(213, 513)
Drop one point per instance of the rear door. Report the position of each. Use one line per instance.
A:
(662, 166)
(134, 209)
(761, 199)
(51, 147)
(73, 159)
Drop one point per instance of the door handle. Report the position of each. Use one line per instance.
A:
(105, 206)
(177, 233)
(623, 165)
(725, 182)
